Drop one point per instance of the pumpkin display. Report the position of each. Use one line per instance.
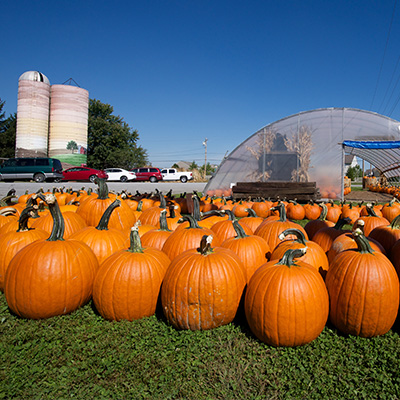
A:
(391, 210)
(313, 226)
(363, 289)
(202, 287)
(387, 235)
(372, 220)
(225, 230)
(295, 210)
(157, 237)
(252, 250)
(286, 301)
(50, 277)
(325, 236)
(127, 284)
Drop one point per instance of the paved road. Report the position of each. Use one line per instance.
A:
(132, 187)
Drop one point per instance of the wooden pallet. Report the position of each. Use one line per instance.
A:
(302, 191)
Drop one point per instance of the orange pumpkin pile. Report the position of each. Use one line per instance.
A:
(199, 256)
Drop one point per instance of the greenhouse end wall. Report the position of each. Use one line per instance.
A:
(305, 147)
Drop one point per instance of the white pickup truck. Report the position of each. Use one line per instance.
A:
(172, 174)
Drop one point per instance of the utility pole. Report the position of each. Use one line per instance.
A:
(205, 157)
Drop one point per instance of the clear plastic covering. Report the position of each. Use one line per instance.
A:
(308, 147)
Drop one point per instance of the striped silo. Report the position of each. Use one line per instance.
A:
(69, 107)
(32, 115)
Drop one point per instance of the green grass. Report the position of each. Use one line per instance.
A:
(83, 356)
(74, 159)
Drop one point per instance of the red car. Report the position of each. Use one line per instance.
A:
(83, 174)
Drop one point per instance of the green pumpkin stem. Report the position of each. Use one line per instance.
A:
(341, 223)
(135, 242)
(395, 224)
(251, 212)
(240, 233)
(102, 190)
(370, 210)
(27, 212)
(282, 211)
(105, 218)
(288, 258)
(192, 221)
(362, 242)
(300, 238)
(324, 212)
(163, 221)
(57, 232)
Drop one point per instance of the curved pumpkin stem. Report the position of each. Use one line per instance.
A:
(57, 232)
(282, 211)
(102, 190)
(300, 238)
(163, 202)
(27, 212)
(192, 222)
(290, 254)
(251, 212)
(341, 223)
(362, 242)
(135, 242)
(196, 208)
(105, 218)
(324, 212)
(240, 233)
(395, 224)
(370, 210)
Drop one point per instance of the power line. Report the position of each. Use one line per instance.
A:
(384, 54)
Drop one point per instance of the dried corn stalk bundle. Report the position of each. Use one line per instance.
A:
(301, 143)
(264, 144)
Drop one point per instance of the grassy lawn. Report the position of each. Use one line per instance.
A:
(84, 356)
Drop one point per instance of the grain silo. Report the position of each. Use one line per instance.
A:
(68, 130)
(32, 115)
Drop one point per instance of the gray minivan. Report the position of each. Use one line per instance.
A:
(37, 168)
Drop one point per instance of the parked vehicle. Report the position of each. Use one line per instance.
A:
(148, 174)
(37, 168)
(119, 174)
(172, 174)
(83, 174)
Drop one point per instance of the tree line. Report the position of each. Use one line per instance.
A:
(111, 141)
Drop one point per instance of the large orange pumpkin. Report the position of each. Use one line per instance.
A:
(50, 277)
(128, 282)
(286, 302)
(364, 290)
(203, 287)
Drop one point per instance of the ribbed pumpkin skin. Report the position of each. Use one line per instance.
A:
(102, 242)
(202, 292)
(286, 306)
(184, 239)
(11, 243)
(364, 293)
(127, 285)
(49, 278)
(72, 221)
(92, 209)
(252, 250)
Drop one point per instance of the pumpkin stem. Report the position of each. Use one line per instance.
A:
(240, 233)
(105, 218)
(300, 238)
(324, 212)
(251, 212)
(290, 254)
(163, 221)
(163, 202)
(102, 190)
(395, 224)
(205, 245)
(196, 208)
(135, 242)
(282, 211)
(57, 232)
(341, 223)
(370, 210)
(362, 242)
(27, 212)
(192, 221)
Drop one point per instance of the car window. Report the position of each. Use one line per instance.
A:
(25, 162)
(42, 161)
(142, 170)
(153, 170)
(164, 171)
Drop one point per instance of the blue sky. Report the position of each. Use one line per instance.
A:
(183, 71)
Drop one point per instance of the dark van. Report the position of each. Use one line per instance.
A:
(39, 169)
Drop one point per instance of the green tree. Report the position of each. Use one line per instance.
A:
(72, 146)
(354, 172)
(8, 128)
(209, 171)
(111, 142)
(193, 166)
